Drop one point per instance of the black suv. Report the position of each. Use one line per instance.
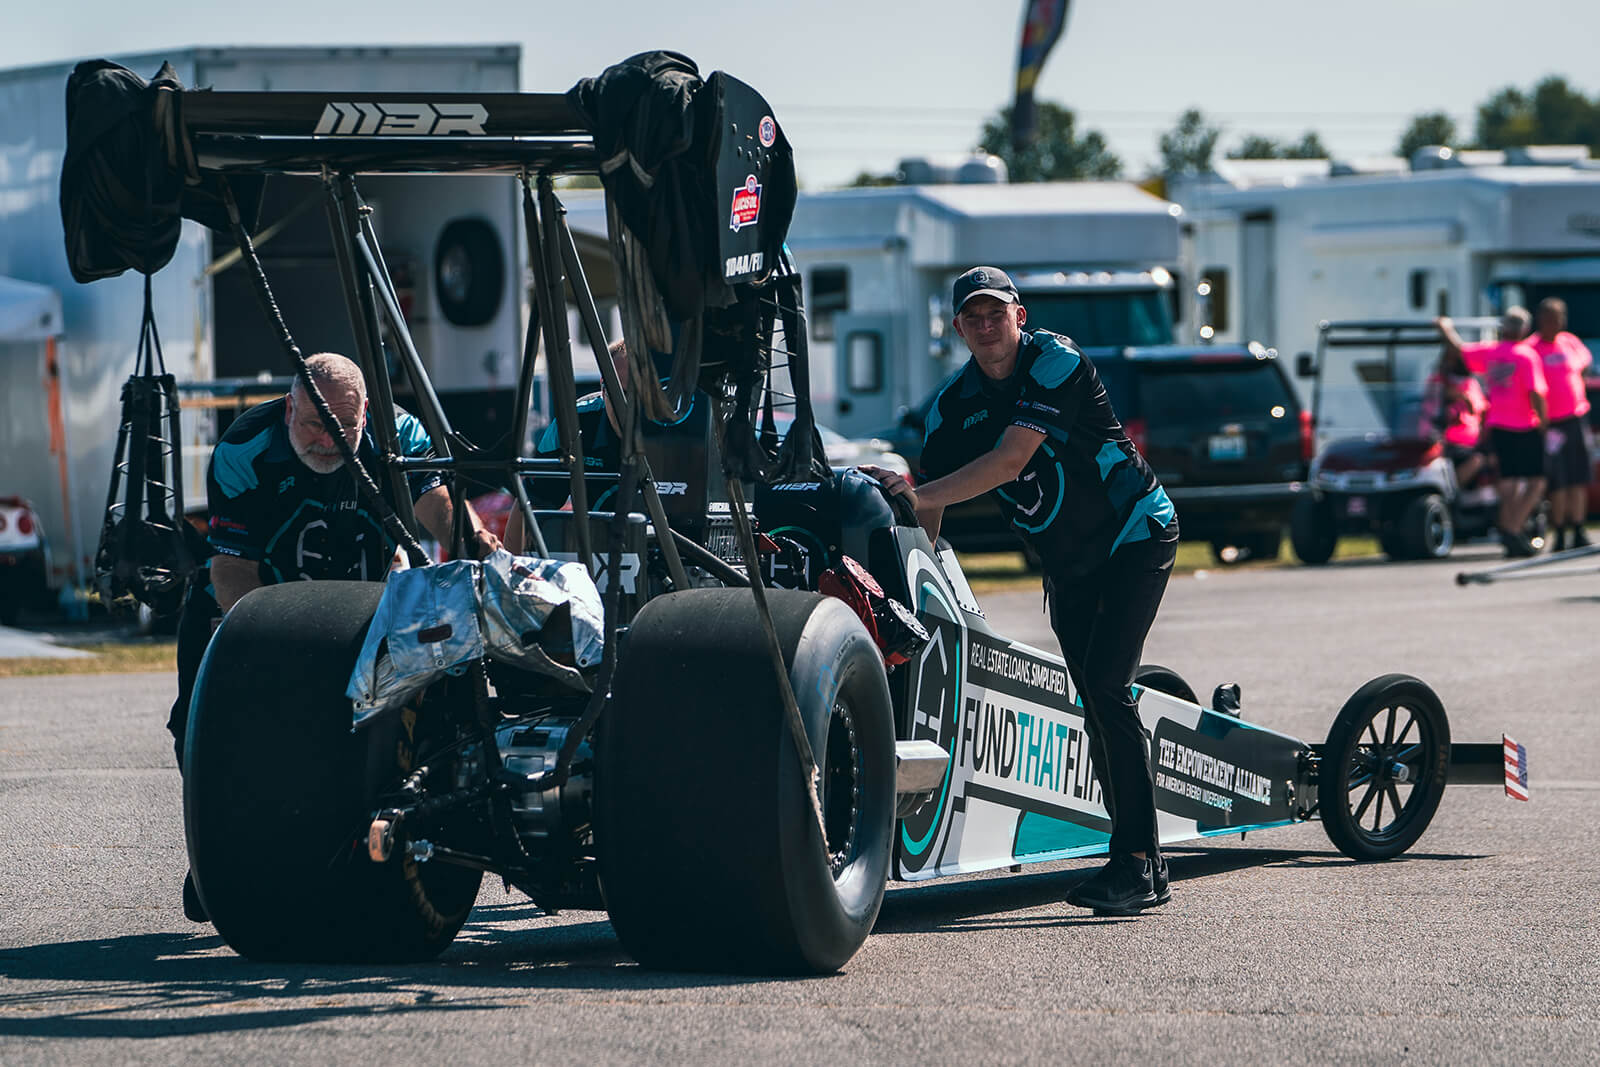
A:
(1221, 425)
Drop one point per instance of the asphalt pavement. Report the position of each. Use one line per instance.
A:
(1476, 947)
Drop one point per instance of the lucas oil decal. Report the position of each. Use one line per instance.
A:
(746, 204)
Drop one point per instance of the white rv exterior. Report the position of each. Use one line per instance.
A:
(878, 266)
(1459, 240)
(209, 322)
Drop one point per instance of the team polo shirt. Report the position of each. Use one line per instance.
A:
(602, 450)
(1563, 361)
(298, 525)
(1512, 370)
(1086, 490)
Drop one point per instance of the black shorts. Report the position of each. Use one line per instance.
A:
(1458, 453)
(1520, 452)
(1567, 462)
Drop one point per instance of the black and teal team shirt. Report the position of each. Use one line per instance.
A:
(296, 524)
(602, 450)
(1086, 491)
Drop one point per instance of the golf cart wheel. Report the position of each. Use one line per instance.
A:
(278, 792)
(1426, 528)
(1383, 768)
(1393, 543)
(711, 857)
(1313, 531)
(1164, 680)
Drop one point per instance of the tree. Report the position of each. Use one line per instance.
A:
(866, 178)
(1187, 147)
(1554, 113)
(1056, 152)
(1431, 127)
(1259, 146)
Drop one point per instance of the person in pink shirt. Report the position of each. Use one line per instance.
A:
(1564, 360)
(1454, 407)
(1516, 418)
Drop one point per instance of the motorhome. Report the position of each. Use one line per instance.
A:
(1094, 260)
(453, 245)
(1459, 234)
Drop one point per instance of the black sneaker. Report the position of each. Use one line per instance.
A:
(1580, 537)
(1560, 544)
(1517, 546)
(193, 910)
(1158, 880)
(1124, 886)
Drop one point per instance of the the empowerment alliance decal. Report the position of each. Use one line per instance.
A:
(1226, 774)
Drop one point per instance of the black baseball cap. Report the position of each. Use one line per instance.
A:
(985, 281)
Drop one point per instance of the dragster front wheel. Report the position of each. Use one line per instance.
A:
(1164, 680)
(1383, 768)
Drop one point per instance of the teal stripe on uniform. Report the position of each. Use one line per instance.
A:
(1153, 505)
(1055, 362)
(414, 440)
(233, 464)
(1108, 457)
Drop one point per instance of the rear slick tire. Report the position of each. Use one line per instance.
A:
(1164, 680)
(278, 791)
(710, 855)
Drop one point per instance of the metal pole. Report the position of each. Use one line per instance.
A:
(590, 317)
(342, 208)
(552, 304)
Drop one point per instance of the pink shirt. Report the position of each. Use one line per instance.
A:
(1461, 414)
(1564, 360)
(1512, 370)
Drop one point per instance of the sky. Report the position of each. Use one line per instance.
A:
(859, 84)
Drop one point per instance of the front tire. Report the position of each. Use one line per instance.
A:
(1427, 529)
(1164, 680)
(1389, 746)
(711, 858)
(1313, 530)
(277, 795)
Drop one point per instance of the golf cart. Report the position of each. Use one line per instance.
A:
(1394, 480)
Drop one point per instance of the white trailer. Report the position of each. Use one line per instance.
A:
(878, 266)
(1459, 240)
(454, 244)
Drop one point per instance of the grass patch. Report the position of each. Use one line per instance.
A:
(111, 657)
(991, 572)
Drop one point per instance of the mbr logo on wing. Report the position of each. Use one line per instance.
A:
(401, 120)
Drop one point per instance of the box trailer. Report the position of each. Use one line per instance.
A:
(1461, 240)
(878, 266)
(454, 245)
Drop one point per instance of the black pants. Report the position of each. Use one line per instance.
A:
(195, 627)
(1101, 619)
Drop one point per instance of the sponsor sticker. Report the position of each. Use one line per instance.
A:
(767, 131)
(746, 204)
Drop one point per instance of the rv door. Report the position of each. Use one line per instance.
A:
(865, 347)
(1258, 259)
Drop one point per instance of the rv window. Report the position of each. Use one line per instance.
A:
(830, 294)
(1218, 279)
(1419, 289)
(864, 362)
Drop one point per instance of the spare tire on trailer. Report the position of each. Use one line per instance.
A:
(710, 853)
(278, 791)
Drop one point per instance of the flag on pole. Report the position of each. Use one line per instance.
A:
(1042, 23)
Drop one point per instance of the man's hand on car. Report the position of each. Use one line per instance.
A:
(892, 482)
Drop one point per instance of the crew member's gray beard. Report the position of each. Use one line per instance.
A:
(321, 464)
